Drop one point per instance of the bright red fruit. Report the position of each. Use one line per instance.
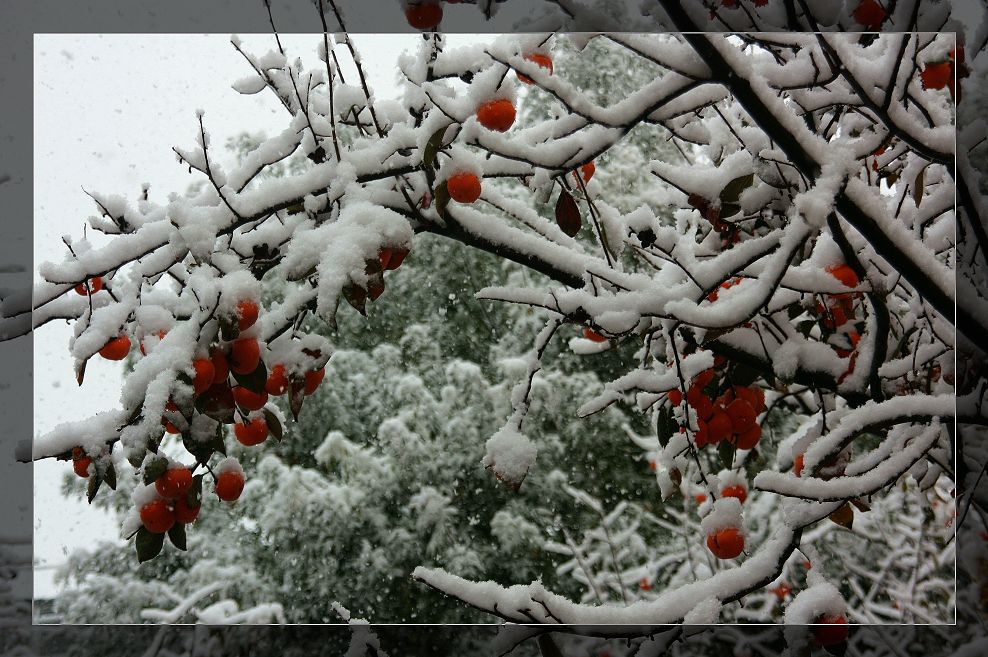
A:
(748, 439)
(425, 15)
(742, 415)
(844, 274)
(205, 372)
(700, 498)
(313, 379)
(229, 485)
(174, 482)
(543, 61)
(157, 517)
(719, 426)
(797, 465)
(737, 491)
(221, 368)
(80, 462)
(496, 114)
(869, 14)
(277, 383)
(116, 349)
(253, 433)
(247, 312)
(726, 543)
(591, 334)
(464, 187)
(245, 354)
(248, 399)
(140, 345)
(830, 630)
(184, 513)
(169, 427)
(675, 397)
(95, 284)
(937, 76)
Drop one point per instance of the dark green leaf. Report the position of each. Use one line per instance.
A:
(93, 487)
(795, 310)
(295, 398)
(218, 403)
(148, 545)
(729, 210)
(732, 192)
(356, 296)
(255, 380)
(726, 452)
(298, 208)
(110, 475)
(194, 497)
(229, 327)
(665, 426)
(177, 536)
(744, 375)
(154, 469)
(432, 148)
(274, 425)
(441, 198)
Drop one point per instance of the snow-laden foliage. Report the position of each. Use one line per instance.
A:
(807, 269)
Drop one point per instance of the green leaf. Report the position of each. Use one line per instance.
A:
(274, 425)
(177, 536)
(726, 452)
(110, 475)
(93, 487)
(229, 327)
(356, 296)
(255, 380)
(194, 497)
(744, 375)
(732, 192)
(665, 426)
(441, 198)
(295, 398)
(148, 545)
(729, 210)
(217, 403)
(432, 148)
(154, 469)
(297, 208)
(794, 311)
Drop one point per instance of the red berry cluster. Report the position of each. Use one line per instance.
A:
(174, 505)
(731, 415)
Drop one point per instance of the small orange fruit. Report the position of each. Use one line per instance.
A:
(496, 114)
(174, 482)
(464, 187)
(229, 485)
(116, 349)
(726, 543)
(157, 517)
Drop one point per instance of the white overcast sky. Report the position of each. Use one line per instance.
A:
(108, 109)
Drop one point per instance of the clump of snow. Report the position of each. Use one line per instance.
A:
(510, 454)
(724, 513)
(229, 464)
(822, 599)
(707, 612)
